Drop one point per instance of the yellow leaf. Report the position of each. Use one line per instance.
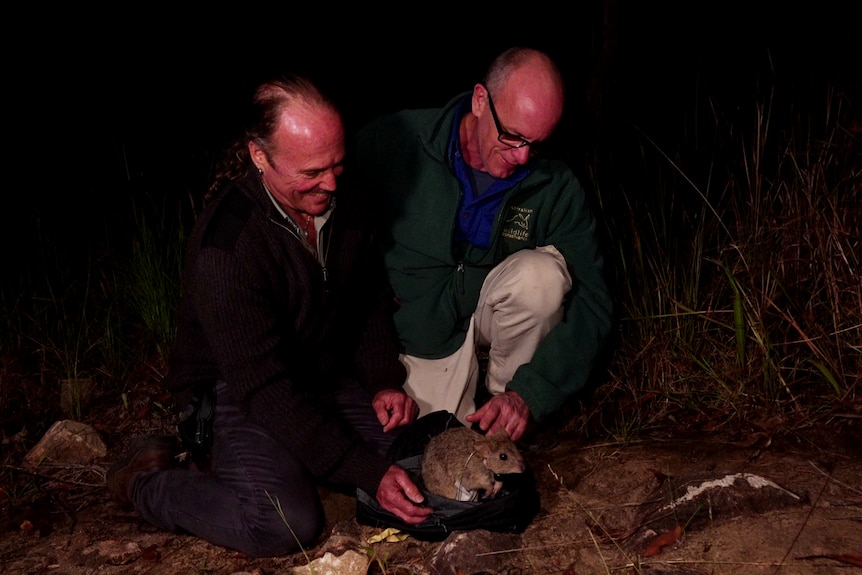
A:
(389, 535)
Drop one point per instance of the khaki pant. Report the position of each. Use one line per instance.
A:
(521, 300)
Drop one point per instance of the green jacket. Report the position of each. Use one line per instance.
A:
(403, 159)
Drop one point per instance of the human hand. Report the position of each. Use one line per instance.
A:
(399, 495)
(394, 408)
(506, 412)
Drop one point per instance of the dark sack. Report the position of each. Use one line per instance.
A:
(511, 511)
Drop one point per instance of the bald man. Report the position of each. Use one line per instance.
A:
(491, 248)
(286, 320)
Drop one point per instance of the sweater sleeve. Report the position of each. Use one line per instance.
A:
(377, 349)
(564, 359)
(259, 357)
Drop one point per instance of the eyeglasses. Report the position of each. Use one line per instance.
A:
(503, 136)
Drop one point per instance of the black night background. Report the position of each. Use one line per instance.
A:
(110, 111)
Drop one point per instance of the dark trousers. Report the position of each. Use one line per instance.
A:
(254, 481)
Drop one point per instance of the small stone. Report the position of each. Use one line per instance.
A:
(67, 441)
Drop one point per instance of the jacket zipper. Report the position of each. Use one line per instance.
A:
(320, 253)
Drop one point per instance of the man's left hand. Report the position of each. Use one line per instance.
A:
(507, 412)
(394, 408)
(398, 494)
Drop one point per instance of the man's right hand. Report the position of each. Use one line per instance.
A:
(506, 412)
(394, 408)
(399, 495)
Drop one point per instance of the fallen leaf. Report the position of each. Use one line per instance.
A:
(151, 554)
(849, 558)
(663, 540)
(143, 412)
(389, 535)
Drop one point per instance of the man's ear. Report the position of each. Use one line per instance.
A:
(479, 99)
(258, 156)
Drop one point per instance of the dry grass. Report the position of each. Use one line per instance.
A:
(740, 298)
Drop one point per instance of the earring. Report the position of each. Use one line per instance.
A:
(260, 171)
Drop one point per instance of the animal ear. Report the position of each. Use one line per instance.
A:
(482, 448)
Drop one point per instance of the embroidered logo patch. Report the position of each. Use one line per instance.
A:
(517, 224)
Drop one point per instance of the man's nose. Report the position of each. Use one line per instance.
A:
(328, 182)
(521, 154)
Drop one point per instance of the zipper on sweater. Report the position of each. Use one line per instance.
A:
(293, 229)
(318, 254)
(323, 251)
(459, 270)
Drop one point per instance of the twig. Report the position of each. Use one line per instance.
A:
(804, 523)
(277, 504)
(56, 479)
(568, 543)
(694, 562)
(844, 485)
(599, 550)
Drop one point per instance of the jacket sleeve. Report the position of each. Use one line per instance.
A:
(257, 357)
(564, 359)
(376, 354)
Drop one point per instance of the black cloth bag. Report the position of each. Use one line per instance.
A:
(511, 511)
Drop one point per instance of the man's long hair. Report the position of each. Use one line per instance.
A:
(261, 121)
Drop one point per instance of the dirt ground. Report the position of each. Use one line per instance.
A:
(753, 502)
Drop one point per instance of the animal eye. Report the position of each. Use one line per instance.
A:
(503, 457)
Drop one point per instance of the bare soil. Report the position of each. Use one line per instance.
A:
(659, 504)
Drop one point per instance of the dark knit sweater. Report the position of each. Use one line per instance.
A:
(261, 313)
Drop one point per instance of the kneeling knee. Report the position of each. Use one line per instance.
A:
(541, 287)
(284, 538)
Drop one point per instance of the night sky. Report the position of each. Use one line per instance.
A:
(106, 105)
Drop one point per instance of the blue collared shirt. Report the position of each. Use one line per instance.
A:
(481, 194)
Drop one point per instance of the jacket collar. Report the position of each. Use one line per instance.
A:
(435, 136)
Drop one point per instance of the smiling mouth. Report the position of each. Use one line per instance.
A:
(508, 166)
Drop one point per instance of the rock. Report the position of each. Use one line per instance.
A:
(67, 441)
(116, 552)
(345, 536)
(348, 563)
(697, 501)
